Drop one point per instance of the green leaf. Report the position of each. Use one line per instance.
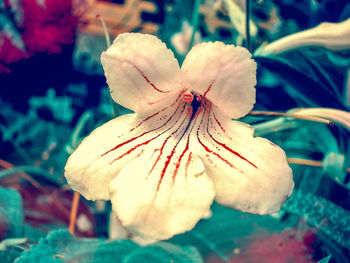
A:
(325, 260)
(315, 210)
(60, 246)
(11, 213)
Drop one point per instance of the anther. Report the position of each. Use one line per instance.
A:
(187, 97)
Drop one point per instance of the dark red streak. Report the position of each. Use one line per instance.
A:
(211, 84)
(216, 154)
(148, 81)
(134, 148)
(226, 147)
(188, 162)
(222, 128)
(207, 149)
(155, 114)
(181, 156)
(146, 142)
(134, 138)
(160, 154)
(184, 151)
(173, 151)
(161, 150)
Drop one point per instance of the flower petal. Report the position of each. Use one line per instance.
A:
(250, 174)
(87, 170)
(140, 71)
(108, 148)
(157, 186)
(224, 74)
(155, 210)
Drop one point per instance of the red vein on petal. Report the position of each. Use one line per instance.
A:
(155, 114)
(160, 154)
(148, 81)
(161, 150)
(188, 163)
(167, 162)
(217, 121)
(148, 141)
(170, 156)
(144, 133)
(216, 154)
(211, 84)
(226, 147)
(177, 166)
(185, 150)
(207, 149)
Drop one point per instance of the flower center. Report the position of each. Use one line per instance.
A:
(195, 102)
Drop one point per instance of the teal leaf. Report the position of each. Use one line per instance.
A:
(325, 260)
(60, 246)
(164, 252)
(11, 213)
(330, 219)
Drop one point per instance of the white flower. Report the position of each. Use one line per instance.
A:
(163, 166)
(335, 36)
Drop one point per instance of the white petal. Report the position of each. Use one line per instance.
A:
(224, 74)
(157, 186)
(87, 170)
(156, 207)
(108, 148)
(140, 71)
(250, 174)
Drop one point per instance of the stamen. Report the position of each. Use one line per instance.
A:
(187, 97)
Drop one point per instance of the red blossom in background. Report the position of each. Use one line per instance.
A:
(291, 245)
(43, 28)
(48, 27)
(9, 52)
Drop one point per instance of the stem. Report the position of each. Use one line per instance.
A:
(87, 115)
(73, 212)
(308, 162)
(304, 162)
(195, 16)
(247, 23)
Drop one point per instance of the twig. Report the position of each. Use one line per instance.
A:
(25, 176)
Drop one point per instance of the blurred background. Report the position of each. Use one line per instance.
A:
(53, 93)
